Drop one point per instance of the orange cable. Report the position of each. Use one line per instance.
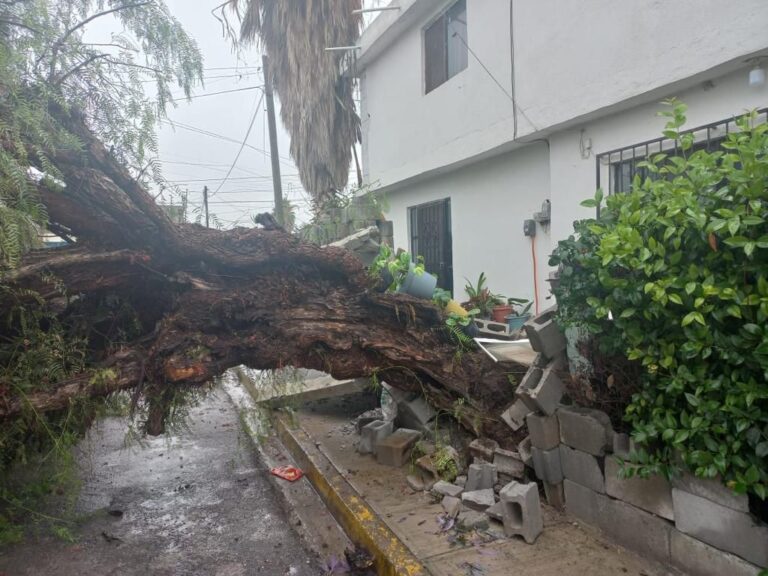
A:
(535, 275)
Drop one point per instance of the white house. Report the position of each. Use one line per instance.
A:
(477, 112)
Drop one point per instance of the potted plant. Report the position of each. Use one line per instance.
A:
(520, 313)
(480, 297)
(399, 273)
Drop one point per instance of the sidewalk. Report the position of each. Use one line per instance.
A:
(379, 510)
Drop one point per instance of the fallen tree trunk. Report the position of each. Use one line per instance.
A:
(209, 300)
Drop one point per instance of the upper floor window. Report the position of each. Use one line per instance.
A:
(445, 46)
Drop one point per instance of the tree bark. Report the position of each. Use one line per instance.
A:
(212, 299)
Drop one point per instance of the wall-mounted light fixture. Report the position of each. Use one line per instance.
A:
(757, 72)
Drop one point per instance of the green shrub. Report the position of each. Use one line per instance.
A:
(675, 273)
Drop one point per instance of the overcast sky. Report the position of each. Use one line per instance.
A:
(192, 160)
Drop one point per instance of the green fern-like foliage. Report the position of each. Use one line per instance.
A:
(46, 64)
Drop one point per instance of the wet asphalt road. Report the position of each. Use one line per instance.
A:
(199, 505)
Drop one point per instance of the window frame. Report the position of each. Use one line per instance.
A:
(442, 19)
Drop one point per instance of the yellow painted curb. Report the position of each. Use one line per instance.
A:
(362, 524)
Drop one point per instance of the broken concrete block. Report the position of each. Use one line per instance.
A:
(521, 511)
(478, 499)
(582, 468)
(544, 334)
(496, 512)
(481, 476)
(415, 482)
(555, 495)
(703, 560)
(483, 448)
(398, 396)
(547, 465)
(474, 520)
(544, 430)
(508, 462)
(395, 449)
(447, 489)
(514, 416)
(558, 363)
(415, 414)
(712, 489)
(371, 434)
(585, 429)
(541, 390)
(623, 445)
(720, 526)
(451, 505)
(363, 421)
(460, 481)
(524, 449)
(653, 494)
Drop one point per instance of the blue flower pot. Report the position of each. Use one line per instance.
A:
(516, 322)
(419, 285)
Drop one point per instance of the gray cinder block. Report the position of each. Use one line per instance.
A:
(521, 511)
(547, 465)
(524, 449)
(720, 526)
(514, 416)
(555, 495)
(544, 430)
(481, 476)
(509, 462)
(483, 448)
(479, 500)
(474, 520)
(582, 468)
(544, 334)
(653, 494)
(634, 528)
(447, 489)
(623, 445)
(415, 413)
(496, 512)
(373, 433)
(711, 489)
(395, 449)
(698, 558)
(580, 502)
(585, 429)
(541, 390)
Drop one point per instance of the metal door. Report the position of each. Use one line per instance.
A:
(430, 227)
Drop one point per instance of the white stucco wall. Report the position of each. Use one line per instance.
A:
(489, 201)
(573, 61)
(573, 177)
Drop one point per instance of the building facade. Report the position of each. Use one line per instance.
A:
(480, 115)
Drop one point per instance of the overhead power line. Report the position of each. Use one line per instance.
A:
(242, 146)
(217, 93)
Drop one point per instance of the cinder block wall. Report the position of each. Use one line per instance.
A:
(700, 526)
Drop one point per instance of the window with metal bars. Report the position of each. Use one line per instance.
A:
(616, 169)
(445, 46)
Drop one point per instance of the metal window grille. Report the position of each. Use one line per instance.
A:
(618, 168)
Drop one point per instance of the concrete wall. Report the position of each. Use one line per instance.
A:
(573, 177)
(489, 201)
(573, 61)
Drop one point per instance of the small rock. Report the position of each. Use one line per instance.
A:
(451, 505)
(473, 520)
(415, 482)
(447, 489)
(479, 500)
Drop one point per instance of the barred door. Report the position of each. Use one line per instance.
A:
(430, 227)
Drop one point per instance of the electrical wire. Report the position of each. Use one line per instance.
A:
(535, 275)
(217, 93)
(499, 84)
(242, 146)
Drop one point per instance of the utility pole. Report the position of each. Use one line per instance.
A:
(205, 205)
(276, 185)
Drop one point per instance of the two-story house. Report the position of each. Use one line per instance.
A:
(476, 113)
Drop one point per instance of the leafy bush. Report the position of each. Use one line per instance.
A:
(675, 274)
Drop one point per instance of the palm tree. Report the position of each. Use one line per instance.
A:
(316, 97)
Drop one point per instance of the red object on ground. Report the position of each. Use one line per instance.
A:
(290, 473)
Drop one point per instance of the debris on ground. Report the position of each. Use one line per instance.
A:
(290, 473)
